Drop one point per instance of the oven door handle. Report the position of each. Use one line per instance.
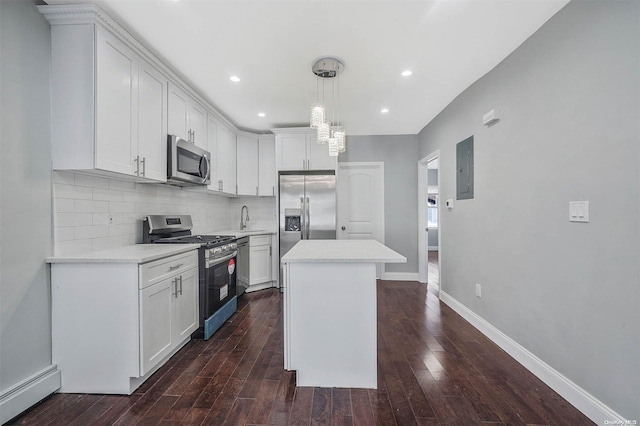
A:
(214, 262)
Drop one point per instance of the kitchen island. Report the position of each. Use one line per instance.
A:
(330, 311)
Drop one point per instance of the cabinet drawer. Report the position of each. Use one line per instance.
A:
(158, 270)
(260, 240)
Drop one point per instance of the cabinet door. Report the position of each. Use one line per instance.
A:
(247, 165)
(260, 264)
(116, 109)
(319, 158)
(231, 173)
(266, 166)
(212, 144)
(197, 124)
(222, 154)
(178, 123)
(152, 123)
(292, 154)
(185, 306)
(155, 323)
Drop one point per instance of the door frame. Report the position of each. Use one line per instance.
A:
(381, 228)
(422, 218)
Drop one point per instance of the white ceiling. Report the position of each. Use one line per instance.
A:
(271, 45)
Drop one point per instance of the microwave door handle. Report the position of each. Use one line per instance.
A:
(204, 174)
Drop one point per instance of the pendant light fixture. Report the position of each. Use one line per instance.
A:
(333, 136)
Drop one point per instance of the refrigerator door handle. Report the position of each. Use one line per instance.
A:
(307, 220)
(303, 218)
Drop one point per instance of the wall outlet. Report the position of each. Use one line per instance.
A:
(478, 290)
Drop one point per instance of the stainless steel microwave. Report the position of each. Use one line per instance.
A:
(187, 164)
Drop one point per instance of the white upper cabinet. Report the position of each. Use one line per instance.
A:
(108, 105)
(297, 149)
(187, 117)
(266, 165)
(247, 165)
(152, 122)
(116, 84)
(222, 146)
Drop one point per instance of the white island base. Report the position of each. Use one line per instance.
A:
(330, 311)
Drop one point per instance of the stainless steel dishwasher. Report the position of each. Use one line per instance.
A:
(242, 260)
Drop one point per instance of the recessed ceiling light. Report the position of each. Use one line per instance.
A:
(384, 110)
(406, 73)
(262, 114)
(234, 78)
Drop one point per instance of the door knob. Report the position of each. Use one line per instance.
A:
(343, 228)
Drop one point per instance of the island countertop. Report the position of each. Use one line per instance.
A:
(347, 251)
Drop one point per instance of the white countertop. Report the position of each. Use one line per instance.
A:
(246, 232)
(332, 251)
(137, 253)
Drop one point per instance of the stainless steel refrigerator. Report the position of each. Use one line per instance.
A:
(307, 208)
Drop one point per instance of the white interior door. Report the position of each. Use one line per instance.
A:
(361, 202)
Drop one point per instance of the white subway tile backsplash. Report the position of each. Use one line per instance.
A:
(124, 229)
(107, 194)
(100, 218)
(64, 233)
(91, 181)
(61, 190)
(122, 207)
(83, 232)
(74, 246)
(122, 185)
(105, 243)
(83, 205)
(92, 206)
(64, 205)
(72, 219)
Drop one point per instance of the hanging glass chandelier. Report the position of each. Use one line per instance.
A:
(333, 136)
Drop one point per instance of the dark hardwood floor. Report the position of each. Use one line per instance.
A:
(433, 369)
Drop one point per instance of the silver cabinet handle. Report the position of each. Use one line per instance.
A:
(180, 285)
(137, 160)
(174, 283)
(144, 166)
(173, 268)
(193, 133)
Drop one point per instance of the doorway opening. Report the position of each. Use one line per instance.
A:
(430, 237)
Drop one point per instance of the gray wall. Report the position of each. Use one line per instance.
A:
(568, 292)
(25, 192)
(399, 154)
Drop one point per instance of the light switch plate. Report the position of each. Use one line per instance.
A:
(578, 211)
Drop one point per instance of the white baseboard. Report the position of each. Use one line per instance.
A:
(257, 287)
(590, 406)
(400, 276)
(23, 395)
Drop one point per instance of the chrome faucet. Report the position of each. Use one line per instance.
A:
(243, 218)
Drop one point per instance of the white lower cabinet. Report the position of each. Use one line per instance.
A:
(260, 253)
(168, 315)
(114, 324)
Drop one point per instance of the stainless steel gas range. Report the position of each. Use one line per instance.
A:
(216, 266)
